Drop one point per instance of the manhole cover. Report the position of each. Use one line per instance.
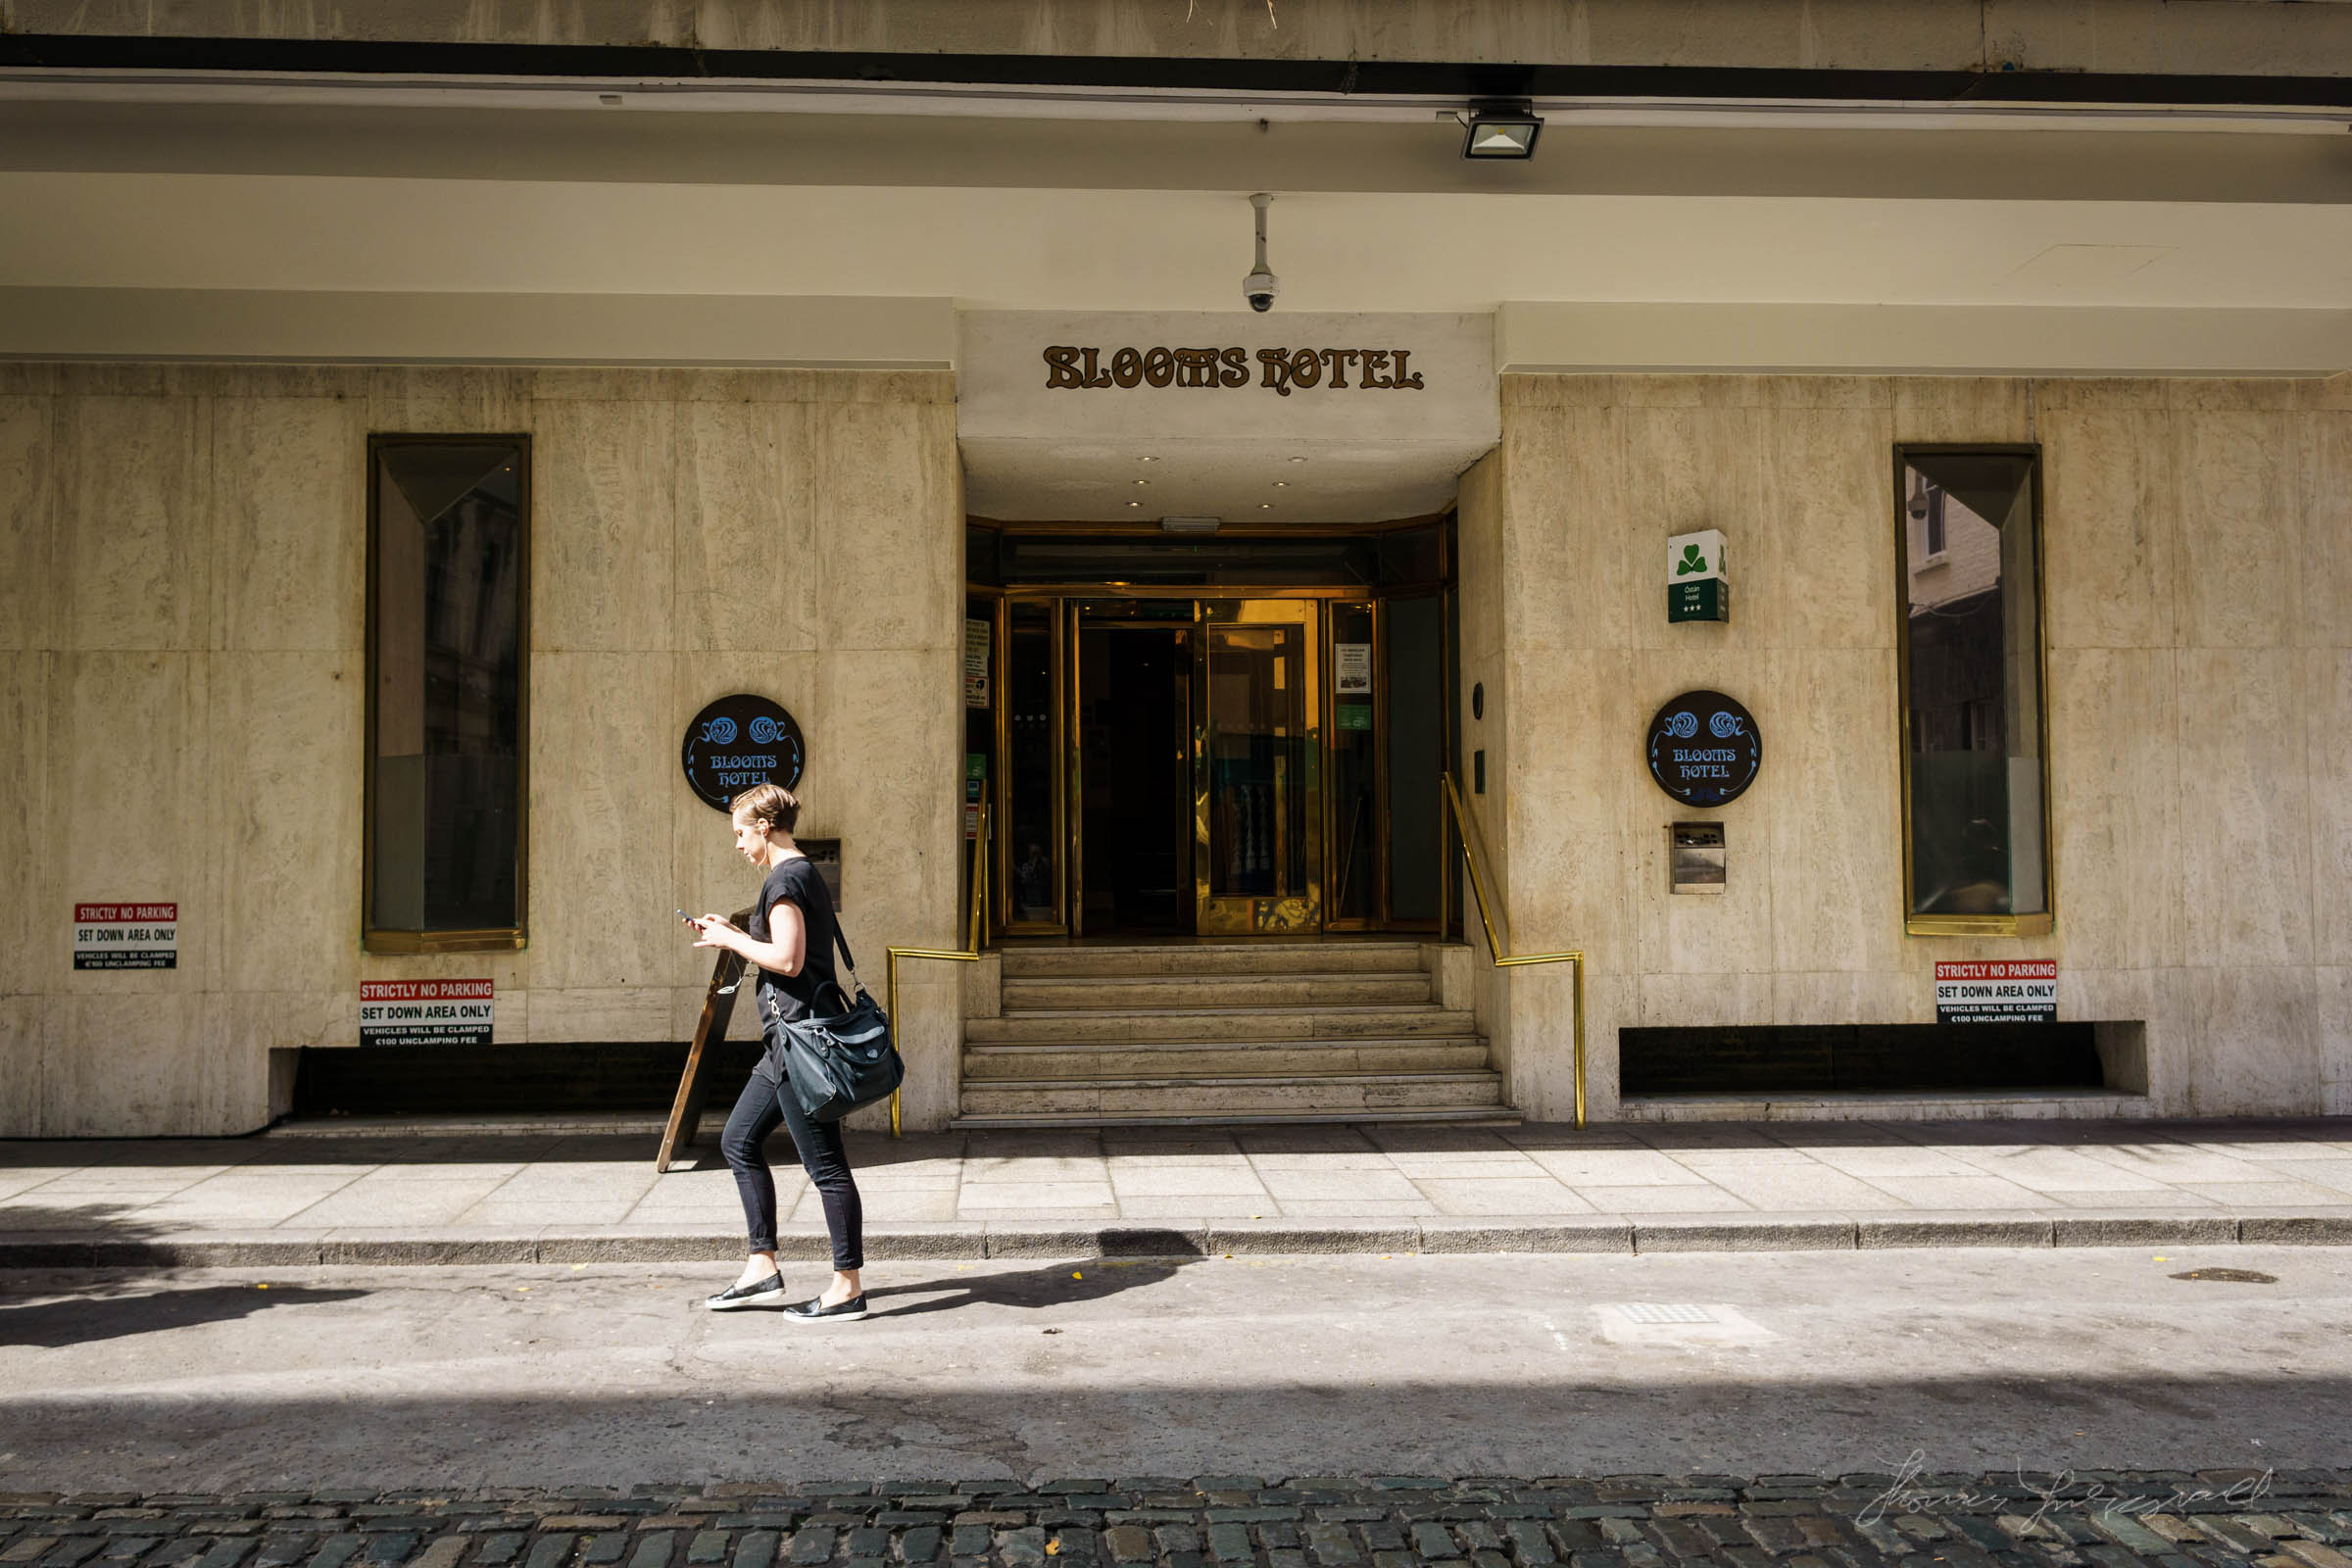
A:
(1666, 1313)
(2231, 1276)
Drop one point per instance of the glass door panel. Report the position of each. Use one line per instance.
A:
(1030, 840)
(1257, 754)
(1352, 898)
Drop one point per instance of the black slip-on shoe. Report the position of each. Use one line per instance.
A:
(813, 1310)
(762, 1293)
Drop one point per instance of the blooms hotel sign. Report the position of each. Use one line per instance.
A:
(1069, 368)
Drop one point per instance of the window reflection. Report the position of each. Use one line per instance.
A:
(1972, 661)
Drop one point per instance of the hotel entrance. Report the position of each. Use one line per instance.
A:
(1205, 759)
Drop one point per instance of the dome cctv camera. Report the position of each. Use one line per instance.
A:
(1261, 285)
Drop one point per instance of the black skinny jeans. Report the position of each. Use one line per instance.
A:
(760, 1111)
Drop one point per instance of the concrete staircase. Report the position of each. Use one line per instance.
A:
(1265, 1032)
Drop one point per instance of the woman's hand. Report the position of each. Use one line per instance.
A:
(718, 931)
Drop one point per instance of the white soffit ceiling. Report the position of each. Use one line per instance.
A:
(1103, 250)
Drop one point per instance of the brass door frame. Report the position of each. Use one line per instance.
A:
(1262, 916)
(1363, 599)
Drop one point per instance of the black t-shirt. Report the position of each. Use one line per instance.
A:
(797, 995)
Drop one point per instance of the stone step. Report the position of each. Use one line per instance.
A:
(1446, 1116)
(1218, 958)
(1309, 990)
(1360, 1094)
(1196, 1058)
(1236, 1025)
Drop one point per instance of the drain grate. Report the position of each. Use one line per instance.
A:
(2231, 1276)
(1665, 1312)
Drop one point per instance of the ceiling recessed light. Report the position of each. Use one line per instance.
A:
(1282, 484)
(1142, 481)
(1146, 459)
(1297, 459)
(1135, 502)
(1265, 506)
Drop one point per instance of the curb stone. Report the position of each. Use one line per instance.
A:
(965, 1240)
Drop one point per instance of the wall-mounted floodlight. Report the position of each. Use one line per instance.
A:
(1502, 128)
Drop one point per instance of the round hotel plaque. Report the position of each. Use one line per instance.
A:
(1705, 749)
(737, 742)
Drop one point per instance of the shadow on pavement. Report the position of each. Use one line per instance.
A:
(1054, 1285)
(87, 1320)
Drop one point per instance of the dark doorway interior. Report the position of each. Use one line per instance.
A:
(1137, 868)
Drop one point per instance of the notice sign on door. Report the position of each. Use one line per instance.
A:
(126, 936)
(2005, 991)
(1351, 669)
(424, 1012)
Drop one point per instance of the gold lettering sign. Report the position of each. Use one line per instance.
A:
(1072, 368)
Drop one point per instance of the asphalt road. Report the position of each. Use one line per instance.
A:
(1826, 1362)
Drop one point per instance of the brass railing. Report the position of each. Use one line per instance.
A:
(970, 953)
(1513, 960)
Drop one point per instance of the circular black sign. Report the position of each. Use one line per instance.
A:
(1705, 749)
(737, 742)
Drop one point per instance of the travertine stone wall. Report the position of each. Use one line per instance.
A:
(182, 585)
(2199, 623)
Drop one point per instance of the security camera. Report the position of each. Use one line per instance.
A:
(1261, 285)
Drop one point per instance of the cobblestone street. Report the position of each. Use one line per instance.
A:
(2298, 1519)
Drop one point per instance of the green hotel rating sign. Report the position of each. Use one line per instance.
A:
(1697, 587)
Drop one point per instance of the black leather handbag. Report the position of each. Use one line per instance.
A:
(845, 1061)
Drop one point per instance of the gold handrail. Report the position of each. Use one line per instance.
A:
(1508, 960)
(970, 954)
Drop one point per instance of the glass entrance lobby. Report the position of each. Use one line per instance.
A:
(1239, 736)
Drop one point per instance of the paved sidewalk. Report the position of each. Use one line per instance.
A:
(458, 1196)
(2300, 1519)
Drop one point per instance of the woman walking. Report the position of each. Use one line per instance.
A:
(789, 938)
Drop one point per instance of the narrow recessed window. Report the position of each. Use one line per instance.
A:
(1975, 786)
(448, 560)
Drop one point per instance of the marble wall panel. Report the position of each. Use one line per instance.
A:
(34, 947)
(1569, 576)
(1687, 469)
(2115, 809)
(2334, 1023)
(28, 595)
(1564, 805)
(747, 573)
(1962, 409)
(21, 1056)
(448, 400)
(928, 1027)
(603, 763)
(1540, 1073)
(2323, 507)
(284, 826)
(600, 1013)
(130, 773)
(1700, 1001)
(1831, 759)
(886, 527)
(1483, 507)
(2245, 808)
(122, 1067)
(2092, 394)
(2109, 528)
(603, 528)
(1825, 517)
(2254, 1041)
(2239, 584)
(133, 523)
(2327, 715)
(290, 522)
(893, 721)
(1853, 995)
